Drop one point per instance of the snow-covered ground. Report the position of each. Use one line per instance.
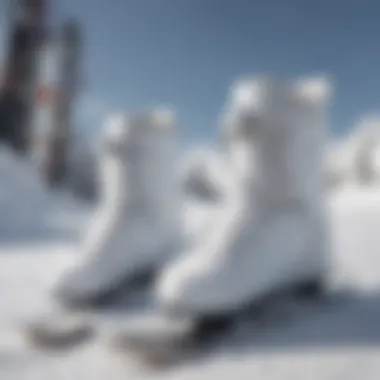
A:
(337, 340)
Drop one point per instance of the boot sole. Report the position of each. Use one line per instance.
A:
(209, 326)
(75, 325)
(112, 295)
(175, 343)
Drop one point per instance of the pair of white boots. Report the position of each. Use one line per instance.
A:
(268, 233)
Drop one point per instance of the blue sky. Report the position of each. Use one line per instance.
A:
(187, 52)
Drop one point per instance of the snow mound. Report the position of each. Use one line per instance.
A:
(29, 211)
(354, 158)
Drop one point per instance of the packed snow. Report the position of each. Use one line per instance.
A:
(39, 232)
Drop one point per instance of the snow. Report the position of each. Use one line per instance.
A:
(39, 231)
(355, 156)
(29, 211)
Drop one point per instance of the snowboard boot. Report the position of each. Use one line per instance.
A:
(272, 233)
(210, 180)
(135, 228)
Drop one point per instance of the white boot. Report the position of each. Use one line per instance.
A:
(210, 178)
(272, 232)
(136, 226)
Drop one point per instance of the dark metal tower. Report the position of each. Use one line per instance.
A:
(27, 29)
(61, 134)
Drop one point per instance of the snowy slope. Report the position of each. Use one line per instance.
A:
(28, 210)
(340, 340)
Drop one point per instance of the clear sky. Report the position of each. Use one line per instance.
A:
(187, 53)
